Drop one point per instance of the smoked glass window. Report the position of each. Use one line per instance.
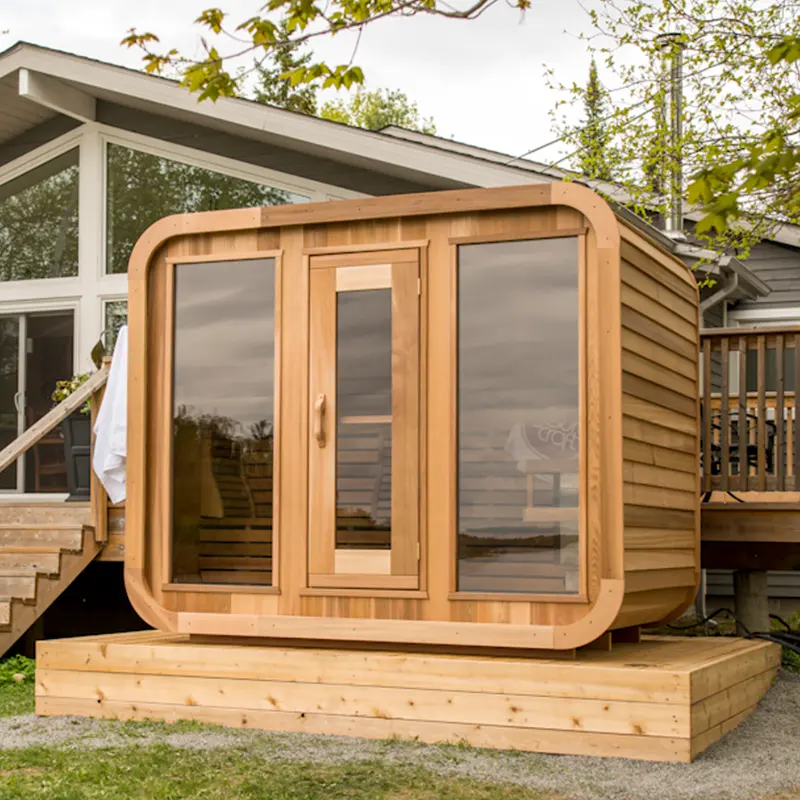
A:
(518, 423)
(364, 419)
(39, 222)
(223, 435)
(142, 188)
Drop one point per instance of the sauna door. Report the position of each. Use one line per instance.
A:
(364, 421)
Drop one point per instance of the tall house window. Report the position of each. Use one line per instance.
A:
(142, 188)
(223, 418)
(518, 418)
(39, 222)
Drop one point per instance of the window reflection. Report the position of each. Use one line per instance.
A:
(518, 417)
(223, 466)
(364, 423)
(39, 222)
(143, 188)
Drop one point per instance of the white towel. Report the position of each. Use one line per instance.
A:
(111, 426)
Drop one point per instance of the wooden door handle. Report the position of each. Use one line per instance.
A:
(319, 419)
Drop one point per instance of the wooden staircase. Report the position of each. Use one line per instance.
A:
(43, 548)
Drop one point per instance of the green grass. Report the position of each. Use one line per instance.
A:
(16, 697)
(162, 773)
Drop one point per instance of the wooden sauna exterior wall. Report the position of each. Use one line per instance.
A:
(660, 446)
(436, 613)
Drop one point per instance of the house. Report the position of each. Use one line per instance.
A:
(92, 154)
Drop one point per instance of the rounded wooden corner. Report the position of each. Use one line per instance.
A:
(683, 607)
(595, 209)
(160, 232)
(145, 604)
(598, 621)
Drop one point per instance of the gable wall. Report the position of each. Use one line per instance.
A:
(258, 153)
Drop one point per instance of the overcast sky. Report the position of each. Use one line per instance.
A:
(482, 81)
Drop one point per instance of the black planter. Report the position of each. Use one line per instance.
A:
(78, 447)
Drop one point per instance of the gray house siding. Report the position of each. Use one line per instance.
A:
(777, 265)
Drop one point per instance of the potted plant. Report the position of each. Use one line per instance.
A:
(77, 439)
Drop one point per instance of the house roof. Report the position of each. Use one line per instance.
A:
(38, 84)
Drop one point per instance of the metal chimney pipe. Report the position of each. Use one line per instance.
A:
(673, 44)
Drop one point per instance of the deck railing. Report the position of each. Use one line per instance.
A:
(750, 436)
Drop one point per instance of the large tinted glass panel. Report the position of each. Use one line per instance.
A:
(364, 423)
(39, 222)
(143, 188)
(518, 423)
(224, 382)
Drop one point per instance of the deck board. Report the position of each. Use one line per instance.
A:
(665, 698)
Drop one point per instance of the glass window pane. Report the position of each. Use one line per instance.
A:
(518, 421)
(143, 188)
(39, 222)
(9, 389)
(116, 312)
(364, 427)
(224, 386)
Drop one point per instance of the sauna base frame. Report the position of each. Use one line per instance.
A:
(662, 699)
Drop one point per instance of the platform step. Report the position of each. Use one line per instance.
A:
(44, 513)
(663, 699)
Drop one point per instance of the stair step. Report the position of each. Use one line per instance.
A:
(46, 563)
(44, 513)
(18, 583)
(65, 537)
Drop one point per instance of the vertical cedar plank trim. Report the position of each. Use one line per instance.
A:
(744, 469)
(780, 467)
(322, 456)
(724, 434)
(405, 419)
(796, 421)
(761, 440)
(707, 415)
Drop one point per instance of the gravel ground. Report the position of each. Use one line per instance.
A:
(759, 759)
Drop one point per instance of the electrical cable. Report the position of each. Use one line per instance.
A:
(788, 639)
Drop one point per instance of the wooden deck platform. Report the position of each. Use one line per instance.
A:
(663, 699)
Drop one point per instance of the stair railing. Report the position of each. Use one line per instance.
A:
(52, 418)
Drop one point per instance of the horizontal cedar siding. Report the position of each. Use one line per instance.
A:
(659, 404)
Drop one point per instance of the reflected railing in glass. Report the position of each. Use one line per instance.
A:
(223, 436)
(364, 420)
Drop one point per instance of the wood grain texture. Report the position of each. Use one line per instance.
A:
(638, 364)
(657, 698)
(661, 385)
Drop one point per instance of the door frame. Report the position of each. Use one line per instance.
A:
(22, 311)
(362, 570)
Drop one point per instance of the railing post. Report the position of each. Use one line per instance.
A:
(780, 413)
(99, 498)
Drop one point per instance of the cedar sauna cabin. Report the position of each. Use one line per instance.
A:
(415, 466)
(455, 419)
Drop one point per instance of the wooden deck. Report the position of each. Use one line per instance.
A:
(663, 699)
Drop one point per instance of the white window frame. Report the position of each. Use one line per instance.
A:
(87, 293)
